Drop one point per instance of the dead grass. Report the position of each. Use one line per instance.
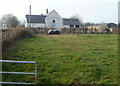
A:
(10, 36)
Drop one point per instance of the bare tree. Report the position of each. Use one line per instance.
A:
(9, 20)
(76, 16)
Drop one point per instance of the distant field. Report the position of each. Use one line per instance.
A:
(67, 59)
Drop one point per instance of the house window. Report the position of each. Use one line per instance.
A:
(77, 26)
(71, 26)
(53, 21)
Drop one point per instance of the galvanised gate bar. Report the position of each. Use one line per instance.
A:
(30, 62)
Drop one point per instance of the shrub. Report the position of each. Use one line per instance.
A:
(10, 36)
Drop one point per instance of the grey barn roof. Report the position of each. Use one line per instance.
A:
(41, 19)
(36, 18)
(112, 25)
(67, 21)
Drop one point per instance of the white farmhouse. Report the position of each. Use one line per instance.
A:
(51, 20)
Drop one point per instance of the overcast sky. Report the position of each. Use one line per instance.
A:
(89, 10)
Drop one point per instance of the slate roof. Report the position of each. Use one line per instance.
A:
(41, 19)
(112, 25)
(67, 21)
(36, 18)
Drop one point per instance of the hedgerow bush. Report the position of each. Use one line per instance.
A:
(10, 36)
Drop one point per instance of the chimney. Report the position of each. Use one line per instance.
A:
(46, 11)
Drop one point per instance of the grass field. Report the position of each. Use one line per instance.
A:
(67, 59)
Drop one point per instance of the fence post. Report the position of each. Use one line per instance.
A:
(0, 54)
(36, 72)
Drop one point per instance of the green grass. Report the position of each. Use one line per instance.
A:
(68, 59)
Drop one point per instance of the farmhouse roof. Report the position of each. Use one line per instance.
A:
(112, 25)
(36, 18)
(67, 21)
(41, 19)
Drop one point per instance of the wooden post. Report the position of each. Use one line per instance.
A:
(30, 16)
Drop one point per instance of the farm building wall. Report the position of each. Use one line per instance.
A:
(66, 26)
(36, 25)
(53, 20)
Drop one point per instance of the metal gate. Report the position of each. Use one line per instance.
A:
(30, 62)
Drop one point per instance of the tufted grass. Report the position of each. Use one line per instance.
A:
(67, 59)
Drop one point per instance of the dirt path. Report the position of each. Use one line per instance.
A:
(55, 35)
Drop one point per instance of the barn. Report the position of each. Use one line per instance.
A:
(51, 20)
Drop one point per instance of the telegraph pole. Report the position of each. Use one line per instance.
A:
(30, 16)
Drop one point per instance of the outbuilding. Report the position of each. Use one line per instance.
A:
(51, 20)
